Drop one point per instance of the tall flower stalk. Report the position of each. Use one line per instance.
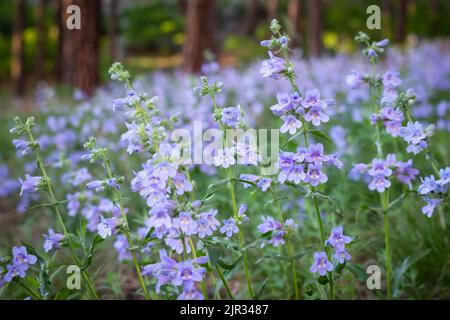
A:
(297, 111)
(25, 129)
(113, 182)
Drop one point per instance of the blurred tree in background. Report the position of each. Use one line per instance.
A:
(35, 44)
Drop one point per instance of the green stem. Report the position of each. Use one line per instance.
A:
(290, 250)
(52, 199)
(241, 234)
(126, 228)
(224, 282)
(385, 202)
(194, 253)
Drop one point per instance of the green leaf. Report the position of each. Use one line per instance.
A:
(229, 267)
(358, 272)
(321, 135)
(340, 267)
(401, 270)
(323, 280)
(261, 289)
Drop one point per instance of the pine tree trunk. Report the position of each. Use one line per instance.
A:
(402, 8)
(17, 49)
(272, 9)
(315, 28)
(294, 9)
(199, 33)
(86, 47)
(40, 50)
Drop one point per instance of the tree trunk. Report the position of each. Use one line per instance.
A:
(199, 33)
(112, 31)
(40, 50)
(402, 8)
(17, 49)
(272, 9)
(315, 28)
(251, 17)
(80, 47)
(294, 9)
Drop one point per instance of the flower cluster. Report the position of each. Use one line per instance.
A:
(380, 171)
(306, 165)
(337, 241)
(416, 136)
(277, 231)
(435, 192)
(20, 263)
(184, 274)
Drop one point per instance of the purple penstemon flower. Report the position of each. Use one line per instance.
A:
(122, 246)
(185, 223)
(107, 227)
(380, 183)
(337, 238)
(210, 216)
(379, 167)
(225, 158)
(272, 67)
(341, 256)
(405, 172)
(229, 227)
(188, 273)
(296, 174)
(315, 154)
(190, 293)
(248, 177)
(321, 264)
(182, 184)
(413, 133)
(230, 116)
(432, 204)
(284, 104)
(355, 79)
(52, 240)
(315, 176)
(97, 185)
(21, 256)
(316, 116)
(22, 145)
(391, 79)
(264, 184)
(30, 184)
(290, 124)
(15, 270)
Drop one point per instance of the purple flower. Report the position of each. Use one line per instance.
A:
(405, 172)
(204, 228)
(21, 256)
(315, 154)
(297, 174)
(382, 43)
(21, 145)
(321, 264)
(182, 185)
(229, 227)
(272, 67)
(30, 184)
(428, 185)
(231, 115)
(248, 177)
(391, 79)
(291, 124)
(52, 240)
(185, 223)
(380, 183)
(341, 256)
(428, 209)
(413, 133)
(337, 238)
(315, 175)
(210, 217)
(15, 270)
(187, 274)
(312, 99)
(264, 183)
(190, 293)
(107, 227)
(379, 167)
(355, 79)
(269, 224)
(284, 104)
(316, 116)
(96, 185)
(224, 158)
(122, 246)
